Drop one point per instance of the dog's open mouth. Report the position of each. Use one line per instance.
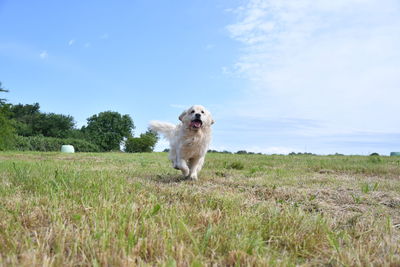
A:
(196, 123)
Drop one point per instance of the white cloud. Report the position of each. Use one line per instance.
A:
(336, 62)
(44, 54)
(71, 42)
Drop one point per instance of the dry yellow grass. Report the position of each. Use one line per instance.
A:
(116, 209)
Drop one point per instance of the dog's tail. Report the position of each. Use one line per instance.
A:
(165, 128)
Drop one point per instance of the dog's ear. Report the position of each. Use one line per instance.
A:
(182, 115)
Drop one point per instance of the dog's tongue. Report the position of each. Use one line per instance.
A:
(196, 124)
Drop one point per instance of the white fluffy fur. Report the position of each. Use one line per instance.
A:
(188, 144)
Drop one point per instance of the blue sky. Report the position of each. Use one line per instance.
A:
(279, 76)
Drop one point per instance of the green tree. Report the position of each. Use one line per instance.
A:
(26, 117)
(7, 131)
(30, 122)
(2, 100)
(54, 125)
(145, 143)
(108, 129)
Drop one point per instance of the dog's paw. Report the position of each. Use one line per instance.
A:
(185, 172)
(193, 177)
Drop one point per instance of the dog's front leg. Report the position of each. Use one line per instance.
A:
(182, 165)
(181, 162)
(200, 164)
(195, 166)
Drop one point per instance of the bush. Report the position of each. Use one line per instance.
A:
(7, 132)
(139, 144)
(41, 143)
(145, 143)
(135, 145)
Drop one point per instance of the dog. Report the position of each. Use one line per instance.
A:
(189, 140)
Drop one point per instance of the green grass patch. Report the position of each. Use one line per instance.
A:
(116, 209)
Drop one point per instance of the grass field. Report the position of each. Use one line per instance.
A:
(116, 209)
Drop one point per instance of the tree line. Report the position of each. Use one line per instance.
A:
(25, 127)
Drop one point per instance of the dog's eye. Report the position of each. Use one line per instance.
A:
(202, 111)
(192, 111)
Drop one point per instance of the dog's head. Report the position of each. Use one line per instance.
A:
(196, 117)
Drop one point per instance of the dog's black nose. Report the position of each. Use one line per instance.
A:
(198, 116)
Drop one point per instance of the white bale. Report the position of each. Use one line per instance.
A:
(67, 149)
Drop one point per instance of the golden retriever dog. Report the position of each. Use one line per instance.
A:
(189, 140)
